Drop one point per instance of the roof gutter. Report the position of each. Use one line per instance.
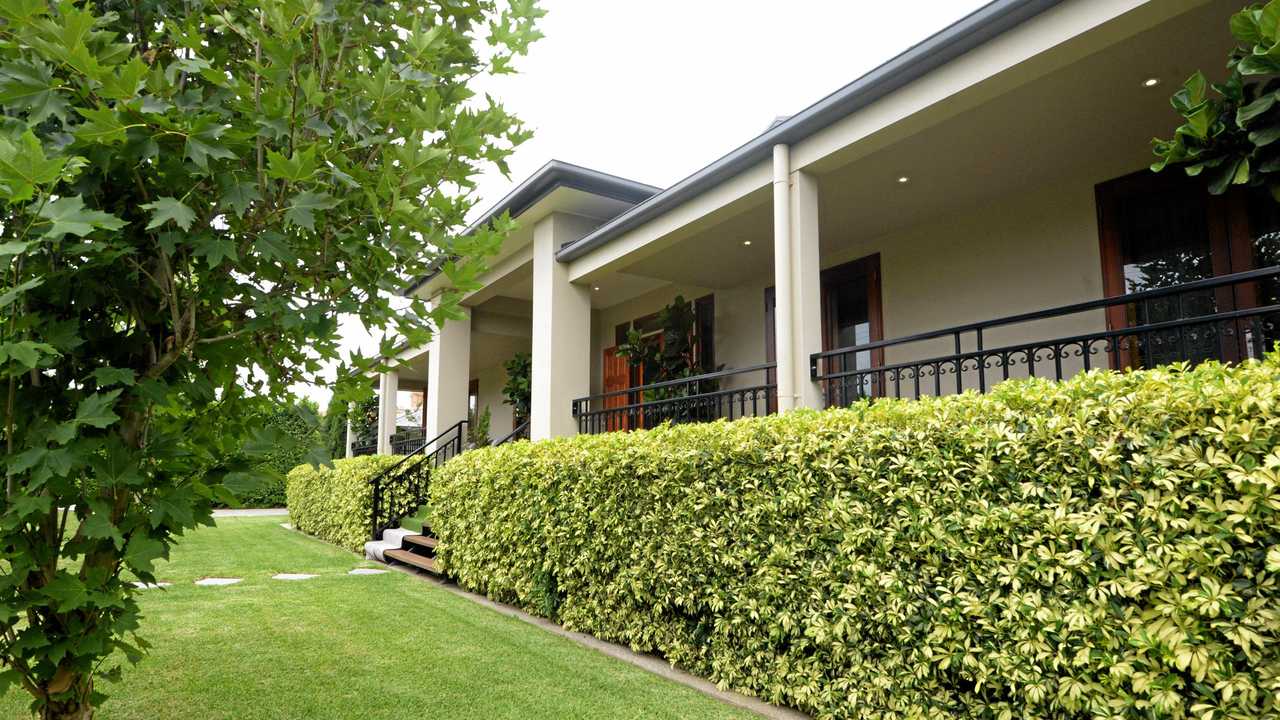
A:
(937, 50)
(555, 174)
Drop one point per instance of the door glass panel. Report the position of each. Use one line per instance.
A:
(1262, 332)
(1165, 241)
(850, 319)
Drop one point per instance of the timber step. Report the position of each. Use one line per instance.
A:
(425, 541)
(414, 559)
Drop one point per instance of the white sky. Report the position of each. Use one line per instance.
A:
(654, 91)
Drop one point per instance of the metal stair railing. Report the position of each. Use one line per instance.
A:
(403, 487)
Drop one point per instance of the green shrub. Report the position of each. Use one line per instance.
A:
(332, 503)
(1103, 547)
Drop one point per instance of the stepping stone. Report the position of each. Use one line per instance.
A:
(292, 576)
(367, 571)
(151, 586)
(218, 581)
(287, 526)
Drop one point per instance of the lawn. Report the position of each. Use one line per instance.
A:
(344, 646)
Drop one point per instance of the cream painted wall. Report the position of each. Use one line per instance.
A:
(491, 380)
(739, 323)
(1020, 253)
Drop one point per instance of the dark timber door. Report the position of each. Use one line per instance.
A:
(1162, 229)
(851, 315)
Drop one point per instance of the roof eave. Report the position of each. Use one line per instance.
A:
(937, 50)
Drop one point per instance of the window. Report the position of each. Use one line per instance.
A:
(1159, 230)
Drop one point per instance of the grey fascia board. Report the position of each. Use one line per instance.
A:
(555, 174)
(973, 30)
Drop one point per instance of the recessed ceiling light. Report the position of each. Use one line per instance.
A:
(1151, 82)
(746, 242)
(595, 287)
(904, 180)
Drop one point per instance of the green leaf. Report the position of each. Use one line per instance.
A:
(1244, 27)
(294, 169)
(29, 86)
(126, 81)
(214, 249)
(96, 410)
(24, 166)
(24, 506)
(202, 143)
(142, 552)
(69, 216)
(276, 247)
(14, 247)
(101, 126)
(26, 352)
(1265, 136)
(107, 376)
(238, 196)
(1255, 109)
(8, 297)
(169, 209)
(67, 591)
(98, 525)
(304, 204)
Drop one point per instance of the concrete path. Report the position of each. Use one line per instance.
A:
(250, 512)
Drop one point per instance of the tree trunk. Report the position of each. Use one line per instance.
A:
(75, 707)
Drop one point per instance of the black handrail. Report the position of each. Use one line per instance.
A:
(699, 398)
(520, 433)
(1226, 335)
(1141, 296)
(403, 487)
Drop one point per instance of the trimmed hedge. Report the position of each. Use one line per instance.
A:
(333, 503)
(1103, 547)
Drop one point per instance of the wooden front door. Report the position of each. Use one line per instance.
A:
(617, 377)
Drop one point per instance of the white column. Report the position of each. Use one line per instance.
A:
(351, 439)
(448, 374)
(784, 298)
(561, 369)
(388, 387)
(806, 286)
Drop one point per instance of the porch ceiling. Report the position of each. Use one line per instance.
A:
(1093, 118)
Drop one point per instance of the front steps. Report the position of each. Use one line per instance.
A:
(406, 547)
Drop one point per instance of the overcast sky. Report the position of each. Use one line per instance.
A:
(653, 91)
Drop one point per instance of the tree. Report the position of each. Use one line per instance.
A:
(1229, 135)
(518, 389)
(192, 194)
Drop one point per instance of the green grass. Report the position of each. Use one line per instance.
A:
(358, 647)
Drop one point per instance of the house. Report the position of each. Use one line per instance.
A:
(976, 208)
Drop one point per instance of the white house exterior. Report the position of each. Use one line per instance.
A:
(997, 168)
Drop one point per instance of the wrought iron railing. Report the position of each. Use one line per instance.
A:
(1229, 318)
(408, 439)
(731, 394)
(403, 488)
(364, 446)
(520, 433)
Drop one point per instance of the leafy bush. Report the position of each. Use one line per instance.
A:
(332, 502)
(1107, 546)
(296, 427)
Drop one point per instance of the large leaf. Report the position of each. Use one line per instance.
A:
(24, 166)
(304, 205)
(169, 209)
(69, 216)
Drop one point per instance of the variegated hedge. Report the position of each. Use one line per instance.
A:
(332, 502)
(1103, 547)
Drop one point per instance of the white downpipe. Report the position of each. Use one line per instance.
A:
(783, 298)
